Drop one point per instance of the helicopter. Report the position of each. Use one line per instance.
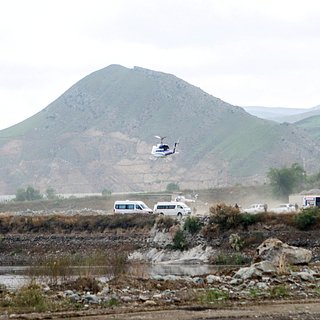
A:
(162, 150)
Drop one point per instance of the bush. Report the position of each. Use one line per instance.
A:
(232, 259)
(192, 225)
(179, 241)
(28, 194)
(280, 291)
(247, 219)
(31, 297)
(172, 187)
(235, 242)
(226, 217)
(214, 295)
(307, 218)
(106, 192)
(165, 223)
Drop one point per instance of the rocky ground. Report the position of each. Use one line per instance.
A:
(260, 289)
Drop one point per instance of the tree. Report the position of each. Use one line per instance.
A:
(286, 180)
(106, 192)
(172, 187)
(28, 194)
(51, 193)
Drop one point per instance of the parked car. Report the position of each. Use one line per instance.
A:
(255, 208)
(284, 207)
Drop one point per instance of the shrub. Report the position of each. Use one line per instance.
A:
(215, 295)
(226, 217)
(172, 187)
(106, 192)
(254, 239)
(247, 219)
(231, 259)
(254, 293)
(179, 241)
(28, 194)
(235, 242)
(192, 225)
(86, 284)
(307, 218)
(280, 291)
(31, 297)
(165, 223)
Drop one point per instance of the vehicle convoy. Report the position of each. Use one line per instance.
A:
(130, 206)
(172, 208)
(283, 208)
(255, 208)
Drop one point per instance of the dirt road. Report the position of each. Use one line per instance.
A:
(285, 310)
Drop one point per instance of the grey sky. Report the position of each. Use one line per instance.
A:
(246, 52)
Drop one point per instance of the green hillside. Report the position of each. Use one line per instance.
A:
(311, 125)
(99, 134)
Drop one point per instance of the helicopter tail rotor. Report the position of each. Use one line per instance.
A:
(175, 146)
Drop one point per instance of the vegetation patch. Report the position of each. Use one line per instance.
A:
(60, 270)
(280, 291)
(214, 296)
(75, 223)
(231, 259)
(308, 218)
(226, 217)
(180, 241)
(192, 225)
(165, 223)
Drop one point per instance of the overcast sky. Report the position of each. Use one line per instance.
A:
(245, 52)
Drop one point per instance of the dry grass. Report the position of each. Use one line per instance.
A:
(76, 223)
(59, 270)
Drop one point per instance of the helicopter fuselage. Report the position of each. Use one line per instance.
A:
(161, 150)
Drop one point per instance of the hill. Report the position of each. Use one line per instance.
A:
(290, 115)
(298, 117)
(276, 114)
(99, 134)
(310, 125)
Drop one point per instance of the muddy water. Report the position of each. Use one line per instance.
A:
(14, 277)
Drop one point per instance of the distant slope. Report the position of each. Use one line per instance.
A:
(311, 125)
(298, 117)
(99, 134)
(289, 115)
(275, 114)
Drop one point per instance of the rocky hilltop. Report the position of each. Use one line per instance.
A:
(99, 134)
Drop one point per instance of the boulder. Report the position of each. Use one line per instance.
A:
(248, 273)
(195, 255)
(278, 253)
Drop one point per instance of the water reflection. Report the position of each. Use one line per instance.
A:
(14, 277)
(181, 270)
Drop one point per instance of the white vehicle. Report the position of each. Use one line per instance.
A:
(172, 208)
(255, 208)
(130, 206)
(284, 207)
(311, 201)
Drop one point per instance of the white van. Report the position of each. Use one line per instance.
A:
(130, 206)
(172, 208)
